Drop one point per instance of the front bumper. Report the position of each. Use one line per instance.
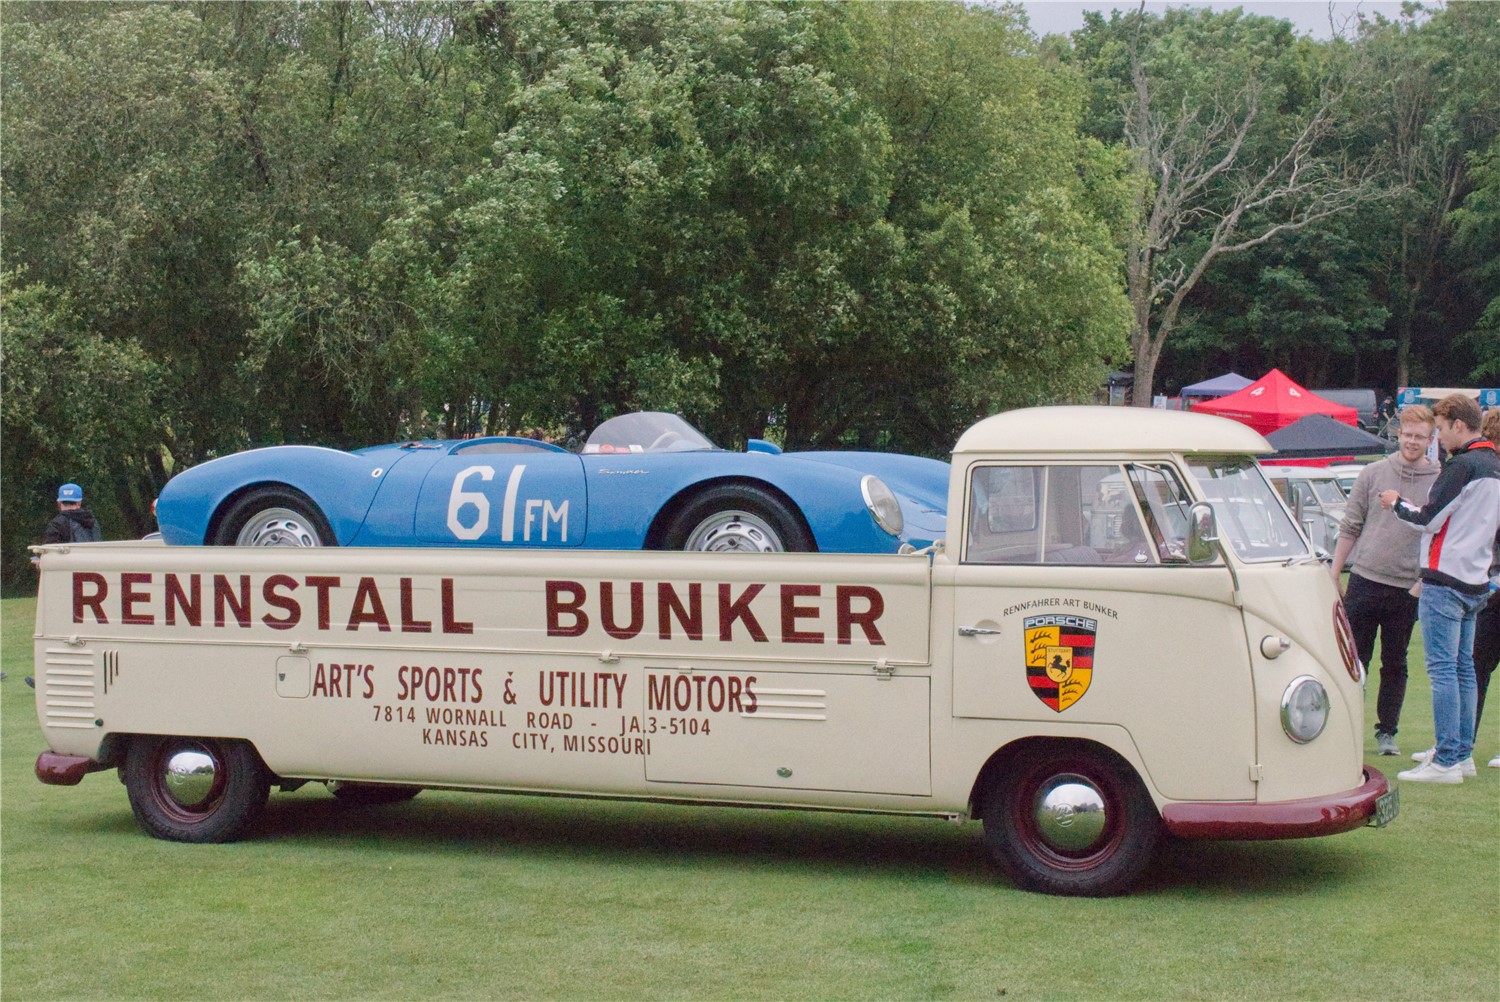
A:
(1338, 812)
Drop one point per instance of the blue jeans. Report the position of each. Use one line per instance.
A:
(1447, 618)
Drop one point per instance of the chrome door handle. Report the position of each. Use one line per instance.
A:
(977, 631)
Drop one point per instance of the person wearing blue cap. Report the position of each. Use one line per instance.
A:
(74, 523)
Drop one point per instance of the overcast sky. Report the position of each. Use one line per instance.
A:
(1309, 16)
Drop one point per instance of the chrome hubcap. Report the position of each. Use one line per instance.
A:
(190, 776)
(1069, 813)
(730, 531)
(278, 527)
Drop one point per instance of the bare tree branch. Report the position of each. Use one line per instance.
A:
(1200, 184)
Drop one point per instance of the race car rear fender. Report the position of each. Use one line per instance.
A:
(342, 485)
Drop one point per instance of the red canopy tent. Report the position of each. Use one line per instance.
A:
(1273, 401)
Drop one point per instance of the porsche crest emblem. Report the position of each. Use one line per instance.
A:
(1060, 658)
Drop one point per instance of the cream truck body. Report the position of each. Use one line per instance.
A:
(1081, 665)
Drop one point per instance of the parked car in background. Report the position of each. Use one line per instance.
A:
(642, 480)
(1346, 474)
(1315, 497)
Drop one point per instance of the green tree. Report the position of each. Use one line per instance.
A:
(160, 164)
(1435, 111)
(1007, 214)
(344, 223)
(1233, 123)
(793, 219)
(1304, 304)
(365, 119)
(74, 406)
(112, 173)
(1476, 238)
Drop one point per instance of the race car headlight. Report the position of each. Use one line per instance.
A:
(1304, 709)
(884, 507)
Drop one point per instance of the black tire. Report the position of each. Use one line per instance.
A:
(738, 517)
(372, 794)
(195, 789)
(1088, 852)
(273, 516)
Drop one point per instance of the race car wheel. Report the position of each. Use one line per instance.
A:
(195, 789)
(738, 518)
(1070, 819)
(272, 516)
(372, 794)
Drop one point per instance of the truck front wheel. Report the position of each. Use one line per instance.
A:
(1070, 820)
(195, 789)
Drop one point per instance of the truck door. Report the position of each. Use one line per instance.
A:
(1074, 604)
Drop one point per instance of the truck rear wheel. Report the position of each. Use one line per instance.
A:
(195, 789)
(1070, 820)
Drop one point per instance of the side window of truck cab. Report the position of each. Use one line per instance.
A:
(1164, 502)
(1071, 515)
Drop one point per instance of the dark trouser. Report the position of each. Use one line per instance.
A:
(1486, 650)
(1372, 606)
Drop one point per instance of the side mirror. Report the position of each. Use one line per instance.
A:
(1203, 534)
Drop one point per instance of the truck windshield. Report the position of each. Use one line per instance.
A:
(1250, 515)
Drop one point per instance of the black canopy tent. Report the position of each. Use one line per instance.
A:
(1319, 436)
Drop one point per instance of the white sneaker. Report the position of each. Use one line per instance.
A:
(1466, 766)
(1495, 762)
(1431, 772)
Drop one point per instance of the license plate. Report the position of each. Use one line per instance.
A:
(1386, 808)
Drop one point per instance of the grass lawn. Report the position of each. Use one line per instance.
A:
(474, 896)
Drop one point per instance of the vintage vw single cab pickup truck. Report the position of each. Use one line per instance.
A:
(1123, 634)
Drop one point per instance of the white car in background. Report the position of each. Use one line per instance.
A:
(1346, 474)
(1316, 499)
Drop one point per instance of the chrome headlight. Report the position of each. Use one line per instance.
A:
(884, 507)
(1304, 709)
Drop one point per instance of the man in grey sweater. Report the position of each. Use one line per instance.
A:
(1382, 558)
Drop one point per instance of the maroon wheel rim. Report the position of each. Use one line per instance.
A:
(1027, 806)
(188, 780)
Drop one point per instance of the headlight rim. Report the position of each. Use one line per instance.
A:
(881, 503)
(1288, 696)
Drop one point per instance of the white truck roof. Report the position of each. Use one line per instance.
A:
(1109, 429)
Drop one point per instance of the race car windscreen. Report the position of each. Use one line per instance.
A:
(646, 431)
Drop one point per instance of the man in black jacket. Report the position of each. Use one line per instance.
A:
(74, 523)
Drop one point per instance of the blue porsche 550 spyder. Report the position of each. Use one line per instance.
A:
(642, 480)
